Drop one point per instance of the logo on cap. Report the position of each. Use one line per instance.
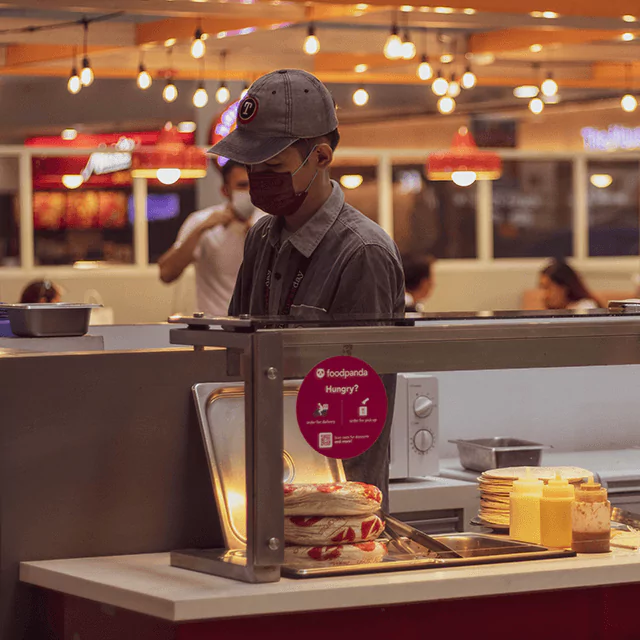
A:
(248, 110)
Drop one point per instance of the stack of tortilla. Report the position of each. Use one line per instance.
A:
(495, 489)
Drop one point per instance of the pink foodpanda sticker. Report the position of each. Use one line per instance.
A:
(341, 407)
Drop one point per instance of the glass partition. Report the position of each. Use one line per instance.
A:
(359, 181)
(614, 207)
(533, 209)
(433, 218)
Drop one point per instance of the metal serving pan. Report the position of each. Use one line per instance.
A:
(49, 320)
(493, 453)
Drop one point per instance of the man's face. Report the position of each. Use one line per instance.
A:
(237, 180)
(291, 161)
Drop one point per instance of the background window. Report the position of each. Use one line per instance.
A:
(359, 182)
(614, 208)
(533, 209)
(433, 218)
(9, 213)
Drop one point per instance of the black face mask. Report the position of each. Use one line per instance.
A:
(274, 193)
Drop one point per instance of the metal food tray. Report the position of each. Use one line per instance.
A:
(221, 415)
(49, 320)
(483, 454)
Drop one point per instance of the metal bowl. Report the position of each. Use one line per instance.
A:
(483, 454)
(49, 320)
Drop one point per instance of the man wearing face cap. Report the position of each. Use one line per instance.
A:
(315, 256)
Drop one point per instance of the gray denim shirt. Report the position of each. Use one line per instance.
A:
(354, 268)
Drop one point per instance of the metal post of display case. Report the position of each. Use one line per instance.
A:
(261, 370)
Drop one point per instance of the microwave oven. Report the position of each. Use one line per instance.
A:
(414, 440)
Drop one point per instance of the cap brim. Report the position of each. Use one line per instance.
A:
(248, 148)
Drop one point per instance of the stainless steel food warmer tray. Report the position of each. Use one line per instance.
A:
(49, 320)
(483, 454)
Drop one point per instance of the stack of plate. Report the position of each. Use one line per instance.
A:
(495, 489)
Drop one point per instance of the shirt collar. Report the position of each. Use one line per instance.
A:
(308, 237)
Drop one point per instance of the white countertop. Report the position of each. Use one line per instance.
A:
(149, 585)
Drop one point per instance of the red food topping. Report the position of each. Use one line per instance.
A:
(328, 488)
(346, 535)
(324, 553)
(289, 489)
(305, 521)
(366, 546)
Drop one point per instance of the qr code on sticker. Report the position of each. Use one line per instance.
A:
(325, 440)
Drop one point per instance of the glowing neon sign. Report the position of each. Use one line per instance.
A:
(615, 138)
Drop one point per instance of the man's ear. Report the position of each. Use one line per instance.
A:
(225, 191)
(325, 155)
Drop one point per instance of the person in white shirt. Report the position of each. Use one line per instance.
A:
(213, 240)
(563, 288)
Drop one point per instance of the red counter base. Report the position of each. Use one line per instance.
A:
(606, 613)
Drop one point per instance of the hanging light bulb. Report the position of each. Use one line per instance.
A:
(168, 175)
(74, 84)
(200, 97)
(440, 85)
(536, 106)
(393, 45)
(198, 47)
(222, 94)
(629, 103)
(86, 75)
(425, 70)
(453, 90)
(446, 105)
(170, 91)
(464, 178)
(469, 79)
(549, 87)
(144, 78)
(311, 42)
(408, 47)
(360, 97)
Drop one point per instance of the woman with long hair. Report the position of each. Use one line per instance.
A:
(563, 288)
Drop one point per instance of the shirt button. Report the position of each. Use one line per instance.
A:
(277, 276)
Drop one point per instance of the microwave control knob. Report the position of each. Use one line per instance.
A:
(423, 440)
(423, 406)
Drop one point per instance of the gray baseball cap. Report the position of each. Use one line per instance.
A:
(279, 108)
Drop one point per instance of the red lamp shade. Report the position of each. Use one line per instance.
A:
(170, 152)
(464, 156)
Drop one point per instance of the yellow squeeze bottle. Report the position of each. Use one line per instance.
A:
(555, 513)
(525, 508)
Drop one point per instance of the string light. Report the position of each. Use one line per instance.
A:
(144, 79)
(469, 79)
(446, 105)
(536, 106)
(549, 87)
(425, 70)
(627, 37)
(393, 45)
(200, 97)
(408, 47)
(86, 75)
(440, 85)
(629, 103)
(311, 42)
(360, 97)
(361, 68)
(74, 84)
(170, 91)
(198, 47)
(222, 94)
(453, 90)
(464, 178)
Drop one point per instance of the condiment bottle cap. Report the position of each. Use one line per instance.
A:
(528, 484)
(558, 487)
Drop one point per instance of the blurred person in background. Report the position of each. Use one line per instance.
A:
(213, 240)
(563, 288)
(40, 291)
(418, 281)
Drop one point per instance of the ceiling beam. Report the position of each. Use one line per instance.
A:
(521, 39)
(24, 55)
